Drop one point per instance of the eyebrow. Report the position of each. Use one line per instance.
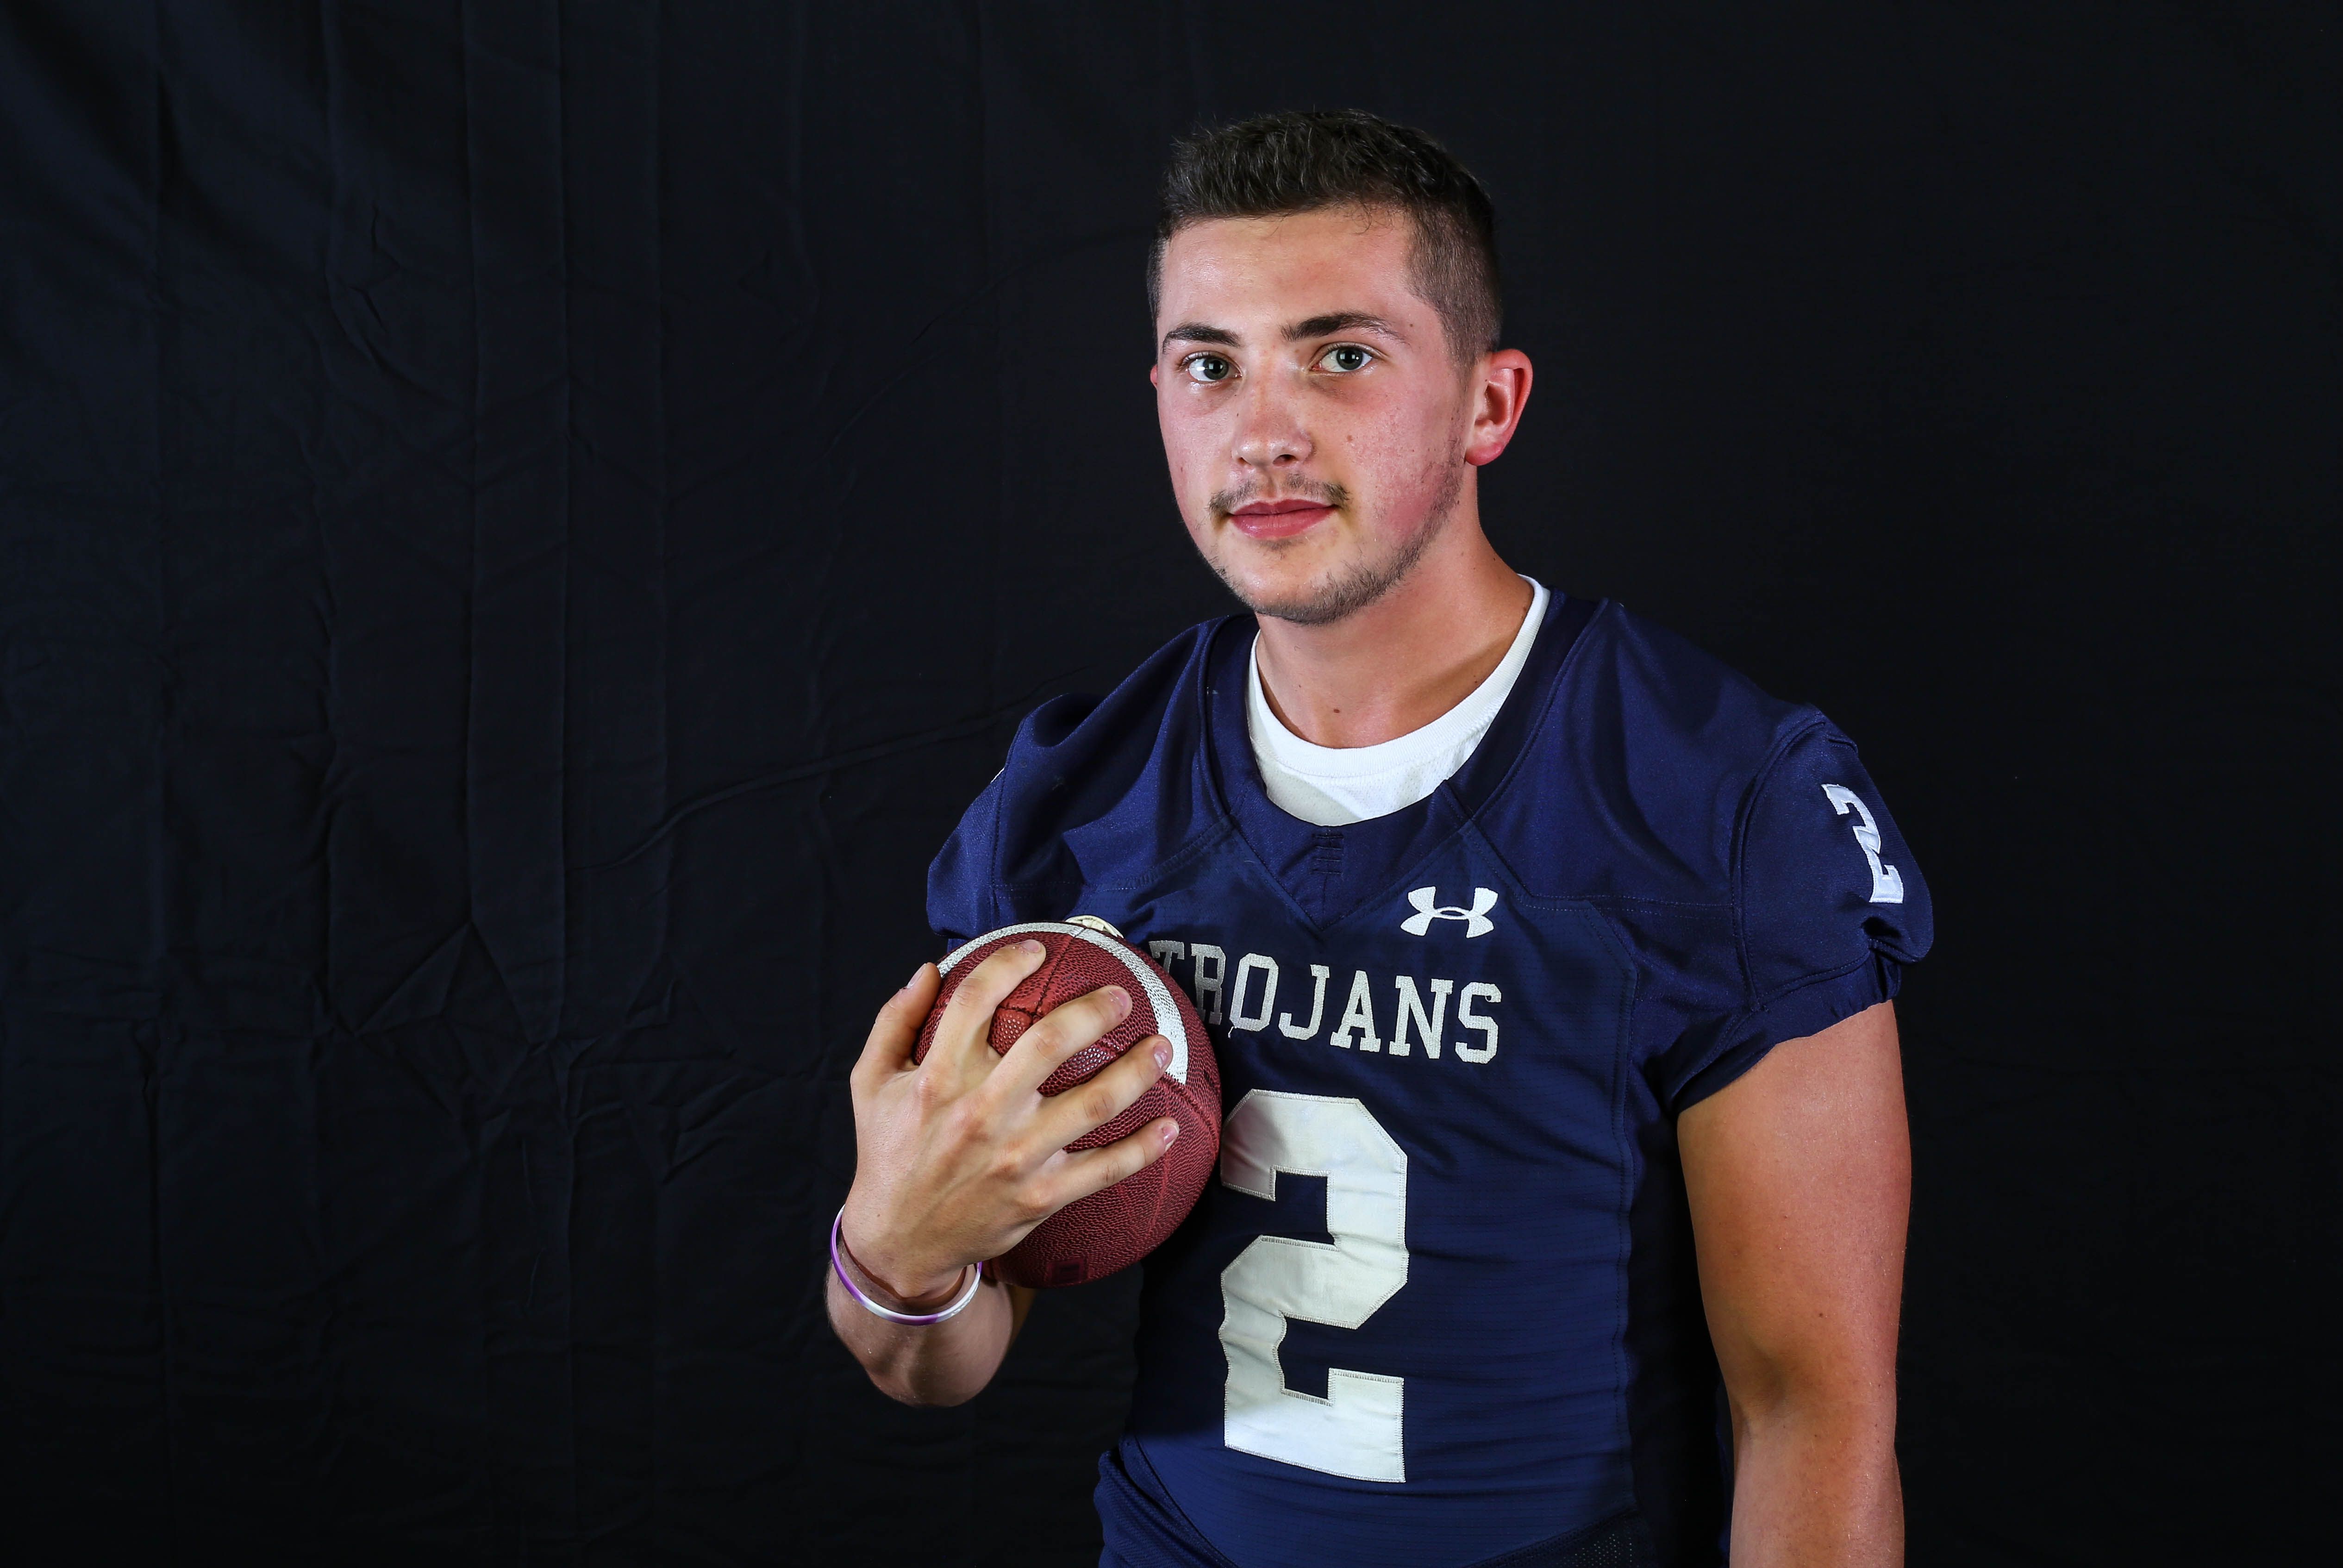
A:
(1342, 321)
(1314, 326)
(1197, 332)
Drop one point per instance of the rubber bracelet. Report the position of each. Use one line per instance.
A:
(916, 1320)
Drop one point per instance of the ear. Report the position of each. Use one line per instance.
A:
(1500, 391)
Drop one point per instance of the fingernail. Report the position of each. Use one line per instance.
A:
(1162, 1054)
(1171, 1130)
(912, 981)
(1031, 948)
(1120, 999)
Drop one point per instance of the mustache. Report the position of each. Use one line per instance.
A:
(1325, 492)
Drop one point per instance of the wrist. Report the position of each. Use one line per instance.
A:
(895, 1286)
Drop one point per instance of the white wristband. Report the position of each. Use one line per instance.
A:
(916, 1320)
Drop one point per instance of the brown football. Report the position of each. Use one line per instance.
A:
(1093, 1237)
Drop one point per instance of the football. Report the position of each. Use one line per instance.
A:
(1094, 1237)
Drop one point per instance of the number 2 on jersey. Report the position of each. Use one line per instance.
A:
(1355, 1430)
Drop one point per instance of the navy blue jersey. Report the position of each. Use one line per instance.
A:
(1440, 1307)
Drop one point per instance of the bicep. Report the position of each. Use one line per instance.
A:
(1799, 1178)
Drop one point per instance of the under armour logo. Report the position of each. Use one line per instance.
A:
(1429, 907)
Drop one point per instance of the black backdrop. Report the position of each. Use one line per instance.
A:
(522, 523)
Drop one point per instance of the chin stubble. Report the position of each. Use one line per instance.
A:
(1359, 585)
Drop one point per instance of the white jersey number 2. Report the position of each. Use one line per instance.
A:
(1355, 1430)
(1886, 881)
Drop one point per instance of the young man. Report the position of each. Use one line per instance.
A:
(1549, 963)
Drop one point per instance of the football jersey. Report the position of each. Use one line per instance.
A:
(1440, 1306)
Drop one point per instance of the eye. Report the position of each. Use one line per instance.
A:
(1345, 357)
(1208, 368)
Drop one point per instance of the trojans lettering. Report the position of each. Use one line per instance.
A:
(1245, 1000)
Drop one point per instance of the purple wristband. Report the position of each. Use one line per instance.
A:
(916, 1320)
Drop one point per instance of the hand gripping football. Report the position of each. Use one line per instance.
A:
(1093, 1237)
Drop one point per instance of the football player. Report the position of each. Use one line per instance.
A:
(1561, 1205)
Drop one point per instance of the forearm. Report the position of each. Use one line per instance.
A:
(1799, 1177)
(1815, 1484)
(937, 1363)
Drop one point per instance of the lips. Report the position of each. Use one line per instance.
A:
(1279, 520)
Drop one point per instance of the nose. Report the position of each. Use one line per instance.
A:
(1270, 434)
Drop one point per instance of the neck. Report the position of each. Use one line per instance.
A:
(1401, 662)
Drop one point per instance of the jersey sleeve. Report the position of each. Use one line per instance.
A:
(1083, 791)
(1007, 845)
(961, 898)
(1828, 905)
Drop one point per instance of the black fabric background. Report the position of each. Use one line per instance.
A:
(523, 524)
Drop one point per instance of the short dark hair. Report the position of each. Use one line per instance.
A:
(1305, 160)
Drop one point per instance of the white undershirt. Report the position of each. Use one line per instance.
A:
(1328, 786)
